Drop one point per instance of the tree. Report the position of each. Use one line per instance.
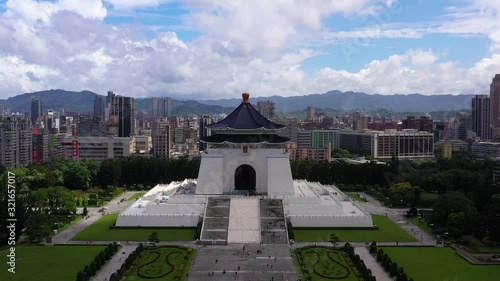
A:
(402, 193)
(491, 219)
(38, 226)
(77, 176)
(394, 269)
(154, 238)
(452, 202)
(80, 276)
(93, 268)
(334, 239)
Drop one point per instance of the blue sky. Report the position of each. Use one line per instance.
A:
(218, 49)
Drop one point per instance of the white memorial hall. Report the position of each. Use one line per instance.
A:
(244, 192)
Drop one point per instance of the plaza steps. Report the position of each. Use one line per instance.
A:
(273, 222)
(215, 222)
(244, 220)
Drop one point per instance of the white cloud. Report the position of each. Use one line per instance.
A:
(32, 10)
(416, 71)
(18, 77)
(245, 46)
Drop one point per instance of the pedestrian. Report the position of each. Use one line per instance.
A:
(216, 260)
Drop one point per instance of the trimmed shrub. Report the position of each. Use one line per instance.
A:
(394, 269)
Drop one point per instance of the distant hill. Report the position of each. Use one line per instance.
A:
(348, 101)
(333, 102)
(83, 102)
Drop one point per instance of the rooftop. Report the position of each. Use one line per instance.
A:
(245, 117)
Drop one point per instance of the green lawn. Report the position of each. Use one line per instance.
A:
(65, 226)
(162, 263)
(42, 263)
(354, 196)
(438, 264)
(101, 231)
(135, 196)
(388, 232)
(423, 224)
(323, 263)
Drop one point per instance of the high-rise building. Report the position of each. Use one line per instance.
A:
(495, 107)
(481, 116)
(126, 116)
(36, 109)
(15, 141)
(1, 109)
(120, 113)
(267, 109)
(155, 109)
(462, 126)
(203, 131)
(167, 107)
(40, 146)
(161, 137)
(361, 123)
(51, 121)
(90, 127)
(311, 113)
(99, 106)
(291, 129)
(318, 139)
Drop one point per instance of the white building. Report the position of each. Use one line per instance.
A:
(96, 148)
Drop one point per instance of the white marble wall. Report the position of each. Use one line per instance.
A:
(330, 221)
(158, 220)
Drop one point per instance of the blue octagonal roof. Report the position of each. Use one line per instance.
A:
(245, 117)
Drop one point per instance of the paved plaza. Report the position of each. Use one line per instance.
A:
(243, 262)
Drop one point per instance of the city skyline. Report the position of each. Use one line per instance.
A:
(205, 49)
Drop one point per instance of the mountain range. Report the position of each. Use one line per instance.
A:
(348, 101)
(333, 101)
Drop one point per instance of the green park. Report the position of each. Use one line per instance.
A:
(42, 263)
(387, 231)
(438, 264)
(104, 230)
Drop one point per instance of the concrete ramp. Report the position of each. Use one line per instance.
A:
(244, 221)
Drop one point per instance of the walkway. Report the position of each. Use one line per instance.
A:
(372, 264)
(396, 215)
(113, 206)
(114, 263)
